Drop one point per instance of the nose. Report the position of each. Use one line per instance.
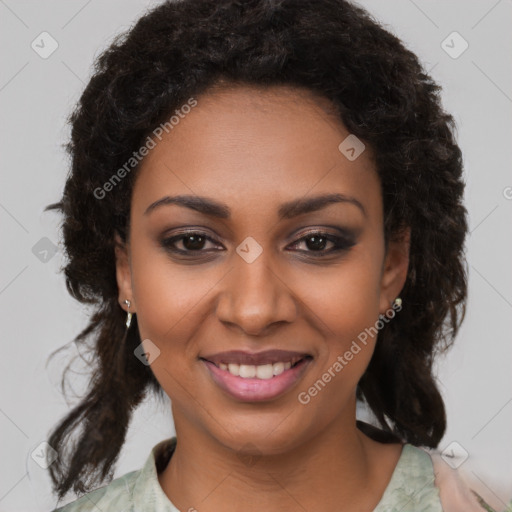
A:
(255, 297)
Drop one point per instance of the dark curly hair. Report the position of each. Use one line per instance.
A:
(332, 48)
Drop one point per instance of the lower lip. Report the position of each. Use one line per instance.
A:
(256, 390)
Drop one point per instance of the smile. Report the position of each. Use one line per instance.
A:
(263, 371)
(257, 382)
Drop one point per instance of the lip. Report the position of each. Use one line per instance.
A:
(257, 390)
(258, 358)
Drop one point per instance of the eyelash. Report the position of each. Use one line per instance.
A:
(340, 243)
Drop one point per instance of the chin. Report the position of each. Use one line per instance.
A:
(276, 434)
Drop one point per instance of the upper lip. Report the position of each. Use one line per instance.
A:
(258, 358)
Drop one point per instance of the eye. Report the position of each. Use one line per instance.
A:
(191, 241)
(316, 242)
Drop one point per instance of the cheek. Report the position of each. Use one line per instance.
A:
(346, 305)
(168, 299)
(166, 295)
(346, 299)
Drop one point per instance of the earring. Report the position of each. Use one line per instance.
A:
(398, 302)
(129, 315)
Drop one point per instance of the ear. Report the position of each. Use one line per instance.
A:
(124, 274)
(394, 270)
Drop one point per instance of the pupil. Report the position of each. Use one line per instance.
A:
(319, 245)
(197, 242)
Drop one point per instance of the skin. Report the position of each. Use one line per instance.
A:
(253, 150)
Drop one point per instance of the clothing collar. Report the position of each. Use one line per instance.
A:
(412, 481)
(147, 492)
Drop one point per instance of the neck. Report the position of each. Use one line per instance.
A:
(348, 467)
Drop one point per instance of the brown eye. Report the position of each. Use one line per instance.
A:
(193, 242)
(316, 242)
(190, 242)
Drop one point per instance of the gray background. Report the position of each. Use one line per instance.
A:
(38, 315)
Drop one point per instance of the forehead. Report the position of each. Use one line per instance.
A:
(253, 147)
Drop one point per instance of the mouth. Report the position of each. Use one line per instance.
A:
(256, 377)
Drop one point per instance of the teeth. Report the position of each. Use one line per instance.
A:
(246, 371)
(278, 368)
(263, 371)
(234, 369)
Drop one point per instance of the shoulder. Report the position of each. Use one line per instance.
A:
(137, 490)
(455, 493)
(117, 495)
(412, 485)
(421, 481)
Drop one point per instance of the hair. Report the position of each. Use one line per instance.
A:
(335, 50)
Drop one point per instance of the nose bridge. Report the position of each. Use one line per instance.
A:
(255, 295)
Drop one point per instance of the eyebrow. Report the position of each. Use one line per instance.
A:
(288, 210)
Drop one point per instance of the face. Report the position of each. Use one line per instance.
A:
(253, 261)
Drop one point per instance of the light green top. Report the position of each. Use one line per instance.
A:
(411, 488)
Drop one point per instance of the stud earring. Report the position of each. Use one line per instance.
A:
(129, 315)
(398, 302)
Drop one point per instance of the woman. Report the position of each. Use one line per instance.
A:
(265, 207)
